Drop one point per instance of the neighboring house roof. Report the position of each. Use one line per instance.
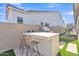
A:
(8, 5)
(11, 6)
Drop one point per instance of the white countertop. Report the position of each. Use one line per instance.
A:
(43, 34)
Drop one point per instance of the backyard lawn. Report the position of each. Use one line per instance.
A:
(64, 38)
(64, 52)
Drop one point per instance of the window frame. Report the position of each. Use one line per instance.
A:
(19, 20)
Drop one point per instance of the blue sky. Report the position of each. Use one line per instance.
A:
(66, 9)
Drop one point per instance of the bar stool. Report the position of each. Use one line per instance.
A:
(35, 49)
(22, 43)
(32, 47)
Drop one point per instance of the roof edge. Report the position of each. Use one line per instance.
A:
(28, 10)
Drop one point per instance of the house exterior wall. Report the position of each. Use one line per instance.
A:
(9, 15)
(53, 18)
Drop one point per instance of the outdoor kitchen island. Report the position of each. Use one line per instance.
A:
(48, 42)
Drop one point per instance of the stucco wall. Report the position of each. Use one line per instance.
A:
(58, 29)
(9, 34)
(19, 27)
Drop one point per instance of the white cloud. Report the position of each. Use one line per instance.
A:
(53, 5)
(68, 13)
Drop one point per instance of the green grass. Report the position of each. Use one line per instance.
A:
(67, 40)
(63, 51)
(62, 33)
(8, 53)
(58, 54)
(64, 38)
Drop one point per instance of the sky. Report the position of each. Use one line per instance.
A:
(66, 9)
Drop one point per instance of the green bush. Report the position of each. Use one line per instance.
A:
(8, 53)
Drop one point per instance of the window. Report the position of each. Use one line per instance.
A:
(20, 20)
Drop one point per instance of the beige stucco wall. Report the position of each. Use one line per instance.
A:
(58, 29)
(19, 27)
(9, 34)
